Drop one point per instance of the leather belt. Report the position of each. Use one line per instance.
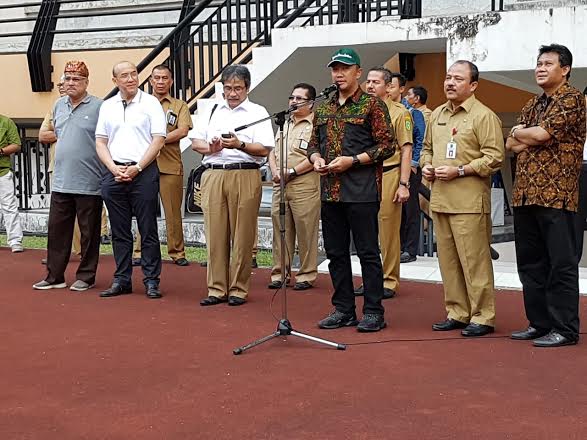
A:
(234, 166)
(124, 164)
(390, 167)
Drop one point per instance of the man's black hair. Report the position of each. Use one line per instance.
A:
(421, 93)
(472, 67)
(308, 87)
(387, 75)
(565, 57)
(400, 78)
(237, 71)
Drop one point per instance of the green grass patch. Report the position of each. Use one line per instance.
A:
(193, 253)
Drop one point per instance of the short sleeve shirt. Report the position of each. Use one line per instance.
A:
(130, 128)
(401, 121)
(77, 168)
(224, 120)
(177, 115)
(8, 136)
(548, 175)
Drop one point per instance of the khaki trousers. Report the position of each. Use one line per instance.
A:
(390, 219)
(77, 236)
(171, 191)
(302, 214)
(230, 201)
(465, 265)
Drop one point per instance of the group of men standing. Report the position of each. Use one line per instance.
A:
(109, 151)
(353, 160)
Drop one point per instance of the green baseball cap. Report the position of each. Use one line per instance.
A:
(345, 55)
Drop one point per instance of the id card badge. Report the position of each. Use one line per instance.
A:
(303, 145)
(451, 150)
(171, 117)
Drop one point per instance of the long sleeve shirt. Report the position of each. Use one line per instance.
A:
(360, 125)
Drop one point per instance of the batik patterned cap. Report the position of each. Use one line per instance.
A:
(78, 67)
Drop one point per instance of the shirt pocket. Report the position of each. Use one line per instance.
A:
(301, 142)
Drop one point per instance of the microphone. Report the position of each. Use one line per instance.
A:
(124, 103)
(328, 90)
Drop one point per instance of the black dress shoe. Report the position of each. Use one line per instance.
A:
(474, 330)
(388, 293)
(115, 290)
(181, 262)
(553, 339)
(274, 285)
(152, 291)
(371, 323)
(212, 301)
(448, 324)
(405, 257)
(528, 334)
(360, 291)
(136, 261)
(304, 285)
(254, 264)
(236, 301)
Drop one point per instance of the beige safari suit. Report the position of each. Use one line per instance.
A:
(171, 180)
(302, 206)
(461, 208)
(390, 213)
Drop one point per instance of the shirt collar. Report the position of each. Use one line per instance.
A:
(309, 118)
(564, 87)
(467, 105)
(83, 101)
(355, 96)
(137, 97)
(245, 105)
(166, 98)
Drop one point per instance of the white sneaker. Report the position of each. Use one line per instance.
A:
(16, 248)
(81, 286)
(45, 285)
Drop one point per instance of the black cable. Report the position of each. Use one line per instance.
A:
(452, 338)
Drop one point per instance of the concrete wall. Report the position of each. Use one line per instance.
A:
(18, 101)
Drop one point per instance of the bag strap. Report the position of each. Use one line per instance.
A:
(212, 112)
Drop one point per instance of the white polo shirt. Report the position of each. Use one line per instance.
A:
(130, 130)
(225, 120)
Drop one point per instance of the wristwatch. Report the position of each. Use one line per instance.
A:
(461, 170)
(138, 167)
(406, 184)
(356, 161)
(291, 173)
(242, 146)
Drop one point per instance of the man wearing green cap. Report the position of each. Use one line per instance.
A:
(352, 135)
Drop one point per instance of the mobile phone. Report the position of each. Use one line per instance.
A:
(226, 135)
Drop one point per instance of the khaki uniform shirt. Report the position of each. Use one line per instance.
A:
(177, 115)
(402, 123)
(476, 130)
(426, 112)
(48, 125)
(297, 136)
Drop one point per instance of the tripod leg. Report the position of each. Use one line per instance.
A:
(319, 340)
(242, 349)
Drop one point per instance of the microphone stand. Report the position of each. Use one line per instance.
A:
(284, 327)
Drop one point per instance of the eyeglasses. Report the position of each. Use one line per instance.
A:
(73, 79)
(298, 98)
(237, 89)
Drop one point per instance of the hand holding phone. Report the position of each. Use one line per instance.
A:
(226, 135)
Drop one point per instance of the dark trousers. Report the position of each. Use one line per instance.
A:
(548, 269)
(138, 198)
(410, 228)
(339, 220)
(62, 212)
(582, 211)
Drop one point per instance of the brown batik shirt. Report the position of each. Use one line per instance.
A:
(548, 175)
